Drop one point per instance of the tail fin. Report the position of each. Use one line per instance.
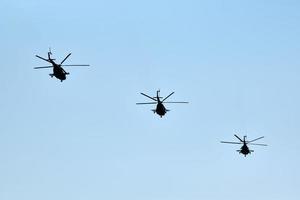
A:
(157, 95)
(49, 54)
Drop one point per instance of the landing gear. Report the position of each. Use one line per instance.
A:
(51, 75)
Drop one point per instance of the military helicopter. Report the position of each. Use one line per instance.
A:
(160, 108)
(58, 71)
(245, 149)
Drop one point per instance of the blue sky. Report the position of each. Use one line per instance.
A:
(236, 62)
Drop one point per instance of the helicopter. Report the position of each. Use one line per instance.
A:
(245, 149)
(58, 71)
(160, 108)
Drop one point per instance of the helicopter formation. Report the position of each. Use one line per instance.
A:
(161, 110)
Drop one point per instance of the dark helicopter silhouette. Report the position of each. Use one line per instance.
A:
(160, 108)
(58, 71)
(245, 149)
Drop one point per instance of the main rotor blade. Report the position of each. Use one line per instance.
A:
(176, 102)
(42, 58)
(167, 97)
(76, 65)
(239, 138)
(231, 142)
(257, 144)
(146, 103)
(256, 139)
(148, 96)
(43, 67)
(65, 58)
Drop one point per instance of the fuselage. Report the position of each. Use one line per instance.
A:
(244, 149)
(58, 71)
(160, 109)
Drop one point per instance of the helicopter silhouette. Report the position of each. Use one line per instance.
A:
(160, 108)
(58, 71)
(245, 149)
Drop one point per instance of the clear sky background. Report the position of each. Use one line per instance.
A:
(236, 62)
